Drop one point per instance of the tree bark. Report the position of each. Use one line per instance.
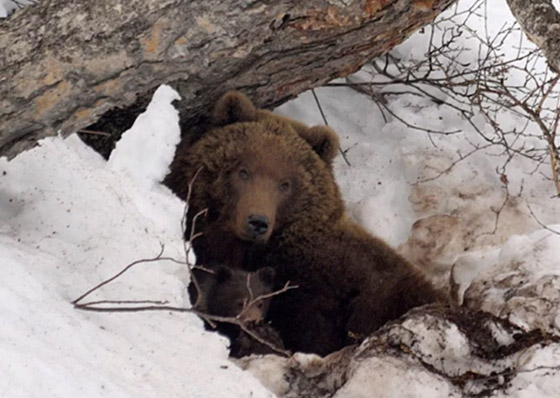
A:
(65, 64)
(541, 23)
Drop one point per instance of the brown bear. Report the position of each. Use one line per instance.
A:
(227, 292)
(272, 200)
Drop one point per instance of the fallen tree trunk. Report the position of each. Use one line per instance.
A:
(65, 65)
(540, 21)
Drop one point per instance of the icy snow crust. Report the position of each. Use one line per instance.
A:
(69, 220)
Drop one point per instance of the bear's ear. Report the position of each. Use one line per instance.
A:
(233, 107)
(267, 275)
(323, 140)
(223, 274)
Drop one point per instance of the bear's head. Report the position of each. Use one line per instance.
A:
(238, 293)
(259, 173)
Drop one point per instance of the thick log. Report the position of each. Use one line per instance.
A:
(65, 64)
(540, 21)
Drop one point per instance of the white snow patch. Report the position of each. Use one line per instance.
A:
(466, 269)
(269, 370)
(147, 148)
(387, 377)
(523, 282)
(538, 376)
(502, 337)
(70, 222)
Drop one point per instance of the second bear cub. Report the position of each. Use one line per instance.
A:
(234, 293)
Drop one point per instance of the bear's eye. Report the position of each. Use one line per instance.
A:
(285, 187)
(260, 305)
(243, 174)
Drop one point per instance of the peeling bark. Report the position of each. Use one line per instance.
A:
(66, 64)
(541, 23)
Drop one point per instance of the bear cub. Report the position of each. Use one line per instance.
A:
(228, 292)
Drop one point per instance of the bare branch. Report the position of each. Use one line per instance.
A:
(187, 243)
(496, 85)
(267, 343)
(544, 226)
(343, 153)
(97, 306)
(453, 164)
(162, 305)
(129, 266)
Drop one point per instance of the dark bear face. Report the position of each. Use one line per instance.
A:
(236, 294)
(261, 189)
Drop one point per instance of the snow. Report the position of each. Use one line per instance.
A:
(69, 220)
(156, 131)
(376, 191)
(390, 377)
(525, 280)
(537, 377)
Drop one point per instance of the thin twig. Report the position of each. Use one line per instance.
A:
(162, 305)
(237, 320)
(453, 164)
(483, 87)
(544, 226)
(129, 266)
(187, 243)
(155, 302)
(327, 123)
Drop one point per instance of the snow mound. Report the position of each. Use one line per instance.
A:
(147, 148)
(521, 283)
(431, 352)
(68, 222)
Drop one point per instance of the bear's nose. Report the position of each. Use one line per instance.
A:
(257, 225)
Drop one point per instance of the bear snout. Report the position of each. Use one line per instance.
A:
(257, 226)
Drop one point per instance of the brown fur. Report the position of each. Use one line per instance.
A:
(233, 293)
(234, 107)
(350, 283)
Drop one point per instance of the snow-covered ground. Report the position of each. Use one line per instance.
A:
(69, 219)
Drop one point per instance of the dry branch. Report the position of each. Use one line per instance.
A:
(65, 64)
(159, 305)
(155, 305)
(497, 85)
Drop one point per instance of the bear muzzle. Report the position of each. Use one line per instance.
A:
(256, 227)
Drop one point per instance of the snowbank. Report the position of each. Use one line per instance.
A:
(69, 220)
